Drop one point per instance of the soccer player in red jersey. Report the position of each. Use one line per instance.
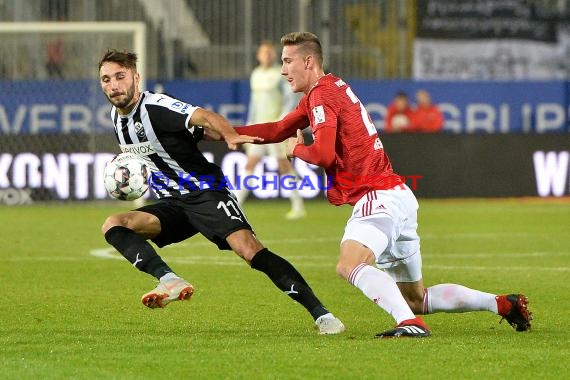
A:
(380, 249)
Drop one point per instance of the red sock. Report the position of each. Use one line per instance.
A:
(418, 321)
(503, 305)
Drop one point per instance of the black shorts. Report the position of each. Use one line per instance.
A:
(214, 214)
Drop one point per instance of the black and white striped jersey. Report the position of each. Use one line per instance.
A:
(158, 130)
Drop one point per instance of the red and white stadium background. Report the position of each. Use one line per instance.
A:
(501, 139)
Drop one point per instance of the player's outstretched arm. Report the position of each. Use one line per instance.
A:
(218, 128)
(279, 130)
(320, 153)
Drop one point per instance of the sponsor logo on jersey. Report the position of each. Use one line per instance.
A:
(141, 149)
(378, 144)
(319, 115)
(340, 83)
(180, 106)
(139, 129)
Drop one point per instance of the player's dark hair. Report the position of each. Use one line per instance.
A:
(308, 42)
(123, 58)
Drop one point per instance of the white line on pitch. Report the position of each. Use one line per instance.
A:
(110, 253)
(469, 267)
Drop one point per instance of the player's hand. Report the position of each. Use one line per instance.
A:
(234, 141)
(292, 142)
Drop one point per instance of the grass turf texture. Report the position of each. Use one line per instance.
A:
(67, 314)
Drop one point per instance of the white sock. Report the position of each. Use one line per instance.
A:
(382, 290)
(169, 276)
(452, 298)
(243, 192)
(297, 203)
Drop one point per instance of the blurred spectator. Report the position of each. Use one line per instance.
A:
(54, 62)
(55, 10)
(427, 117)
(399, 115)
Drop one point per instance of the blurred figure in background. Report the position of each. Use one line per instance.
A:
(427, 117)
(55, 59)
(56, 11)
(270, 99)
(399, 117)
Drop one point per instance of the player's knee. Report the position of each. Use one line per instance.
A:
(110, 222)
(345, 267)
(352, 254)
(343, 270)
(246, 253)
(244, 244)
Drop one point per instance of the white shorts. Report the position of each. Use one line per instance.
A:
(390, 214)
(278, 150)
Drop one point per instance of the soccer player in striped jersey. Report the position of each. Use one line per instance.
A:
(193, 197)
(270, 99)
(380, 249)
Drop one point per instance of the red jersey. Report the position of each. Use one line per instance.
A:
(346, 143)
(428, 119)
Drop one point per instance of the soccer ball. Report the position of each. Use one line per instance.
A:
(400, 122)
(126, 177)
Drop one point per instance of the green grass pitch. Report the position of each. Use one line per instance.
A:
(68, 314)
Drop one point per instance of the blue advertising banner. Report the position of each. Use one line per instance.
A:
(68, 107)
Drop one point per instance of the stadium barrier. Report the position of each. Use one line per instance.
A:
(70, 168)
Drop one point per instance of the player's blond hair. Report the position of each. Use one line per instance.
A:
(125, 59)
(268, 43)
(308, 42)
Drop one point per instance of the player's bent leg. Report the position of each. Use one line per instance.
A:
(285, 277)
(453, 298)
(127, 232)
(413, 293)
(352, 255)
(380, 288)
(245, 244)
(408, 276)
(142, 223)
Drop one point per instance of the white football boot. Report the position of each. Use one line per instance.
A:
(176, 289)
(328, 324)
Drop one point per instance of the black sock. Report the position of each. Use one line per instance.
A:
(137, 250)
(285, 277)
